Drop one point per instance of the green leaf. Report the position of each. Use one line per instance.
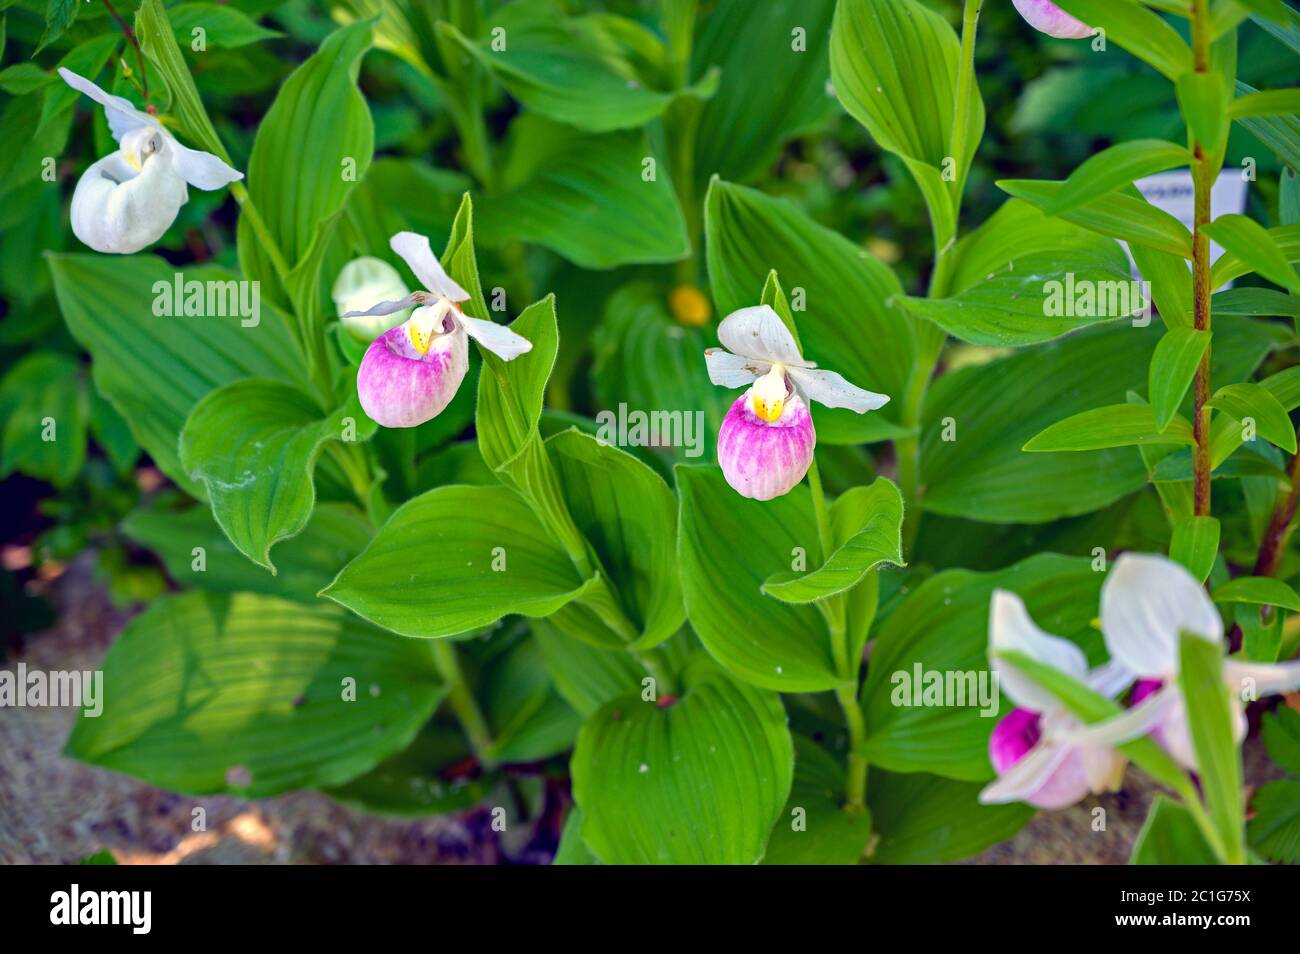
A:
(1275, 830)
(224, 27)
(1115, 214)
(869, 520)
(250, 695)
(572, 850)
(197, 553)
(1279, 133)
(814, 828)
(571, 69)
(1210, 722)
(1280, 730)
(942, 627)
(319, 112)
(586, 676)
(153, 370)
(529, 721)
(585, 197)
(1204, 104)
(1170, 836)
(1230, 265)
(22, 78)
(1173, 366)
(1256, 247)
(728, 545)
(104, 857)
(1269, 102)
(43, 405)
(1274, 10)
(1195, 545)
(158, 42)
(698, 781)
(1254, 402)
(1140, 31)
(430, 572)
(1115, 167)
(1265, 590)
(740, 134)
(1118, 425)
(1253, 302)
(850, 324)
(59, 15)
(925, 820)
(510, 393)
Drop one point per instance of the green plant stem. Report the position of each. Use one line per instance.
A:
(352, 461)
(1202, 180)
(855, 778)
(462, 702)
(965, 86)
(240, 192)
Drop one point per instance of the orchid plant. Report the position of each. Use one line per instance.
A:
(425, 577)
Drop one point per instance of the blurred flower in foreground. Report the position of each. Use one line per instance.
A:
(360, 282)
(766, 441)
(127, 200)
(411, 372)
(689, 306)
(1033, 747)
(1047, 17)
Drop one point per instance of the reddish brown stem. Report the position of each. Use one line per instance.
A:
(139, 53)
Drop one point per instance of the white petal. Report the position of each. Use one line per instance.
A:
(388, 307)
(830, 389)
(1261, 679)
(1110, 679)
(498, 339)
(1026, 776)
(122, 116)
(1128, 725)
(1145, 602)
(1103, 768)
(415, 251)
(119, 211)
(201, 169)
(758, 332)
(1011, 629)
(728, 370)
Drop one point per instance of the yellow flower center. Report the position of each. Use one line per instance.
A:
(767, 396)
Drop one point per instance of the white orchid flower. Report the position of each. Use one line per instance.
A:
(1035, 747)
(766, 442)
(360, 282)
(128, 199)
(411, 372)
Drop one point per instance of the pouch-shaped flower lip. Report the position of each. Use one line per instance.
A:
(410, 373)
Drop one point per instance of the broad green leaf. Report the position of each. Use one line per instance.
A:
(847, 321)
(158, 41)
(1117, 425)
(700, 780)
(815, 828)
(1203, 102)
(586, 676)
(585, 197)
(572, 850)
(112, 434)
(728, 545)
(254, 695)
(528, 719)
(197, 553)
(1210, 723)
(1170, 836)
(574, 70)
(924, 819)
(153, 370)
(1286, 30)
(44, 409)
(1168, 278)
(1255, 246)
(253, 445)
(1173, 366)
(1274, 831)
(223, 26)
(430, 572)
(510, 393)
(1116, 214)
(1115, 167)
(1142, 32)
(869, 520)
(22, 78)
(1265, 590)
(1195, 545)
(1254, 402)
(739, 134)
(1231, 265)
(942, 627)
(1252, 302)
(1280, 730)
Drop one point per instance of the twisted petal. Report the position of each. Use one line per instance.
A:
(121, 115)
(1145, 602)
(728, 370)
(1011, 629)
(415, 251)
(498, 339)
(830, 389)
(399, 387)
(201, 169)
(1047, 17)
(117, 210)
(758, 332)
(764, 460)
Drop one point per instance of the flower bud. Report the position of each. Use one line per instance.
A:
(360, 283)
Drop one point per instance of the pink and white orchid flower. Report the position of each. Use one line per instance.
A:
(1146, 602)
(127, 200)
(766, 442)
(1035, 747)
(411, 372)
(1046, 17)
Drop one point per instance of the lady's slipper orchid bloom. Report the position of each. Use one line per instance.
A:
(360, 282)
(411, 372)
(127, 200)
(766, 441)
(1146, 602)
(1033, 748)
(1046, 17)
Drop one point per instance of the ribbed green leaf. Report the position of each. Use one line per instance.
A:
(926, 820)
(1116, 425)
(1265, 590)
(1274, 831)
(1257, 403)
(1195, 545)
(586, 676)
(1115, 214)
(815, 828)
(1117, 166)
(1231, 265)
(1140, 31)
(1173, 366)
(44, 408)
(1256, 246)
